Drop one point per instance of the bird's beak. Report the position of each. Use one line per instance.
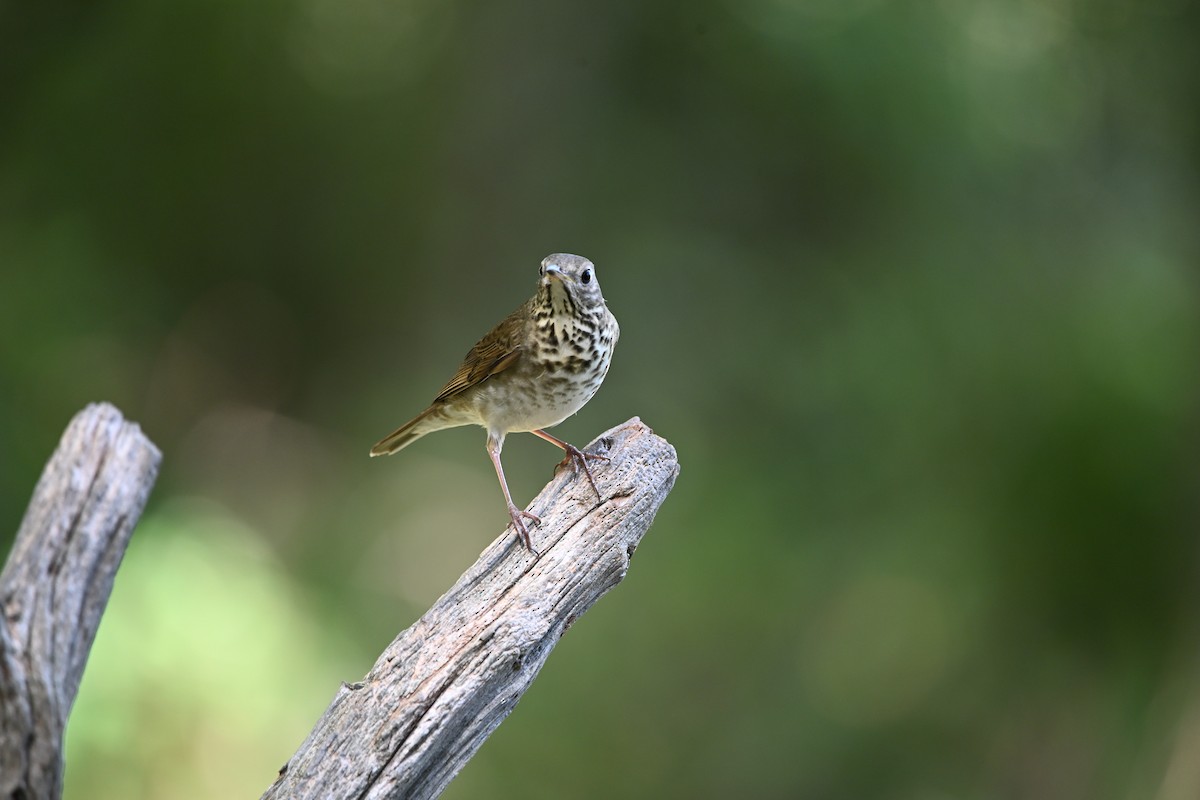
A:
(556, 273)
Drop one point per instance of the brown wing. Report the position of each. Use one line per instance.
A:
(493, 353)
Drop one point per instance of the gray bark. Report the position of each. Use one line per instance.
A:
(56, 584)
(443, 685)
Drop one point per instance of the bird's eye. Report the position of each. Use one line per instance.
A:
(586, 277)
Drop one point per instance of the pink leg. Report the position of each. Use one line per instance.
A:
(577, 457)
(493, 448)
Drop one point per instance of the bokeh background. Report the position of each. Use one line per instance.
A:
(911, 287)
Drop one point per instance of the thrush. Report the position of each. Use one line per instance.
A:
(532, 371)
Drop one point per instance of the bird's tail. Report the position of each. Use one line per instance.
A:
(405, 435)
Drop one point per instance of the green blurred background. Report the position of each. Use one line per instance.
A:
(910, 286)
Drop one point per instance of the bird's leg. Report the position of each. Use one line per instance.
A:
(493, 448)
(577, 457)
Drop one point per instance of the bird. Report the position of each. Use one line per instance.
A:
(542, 364)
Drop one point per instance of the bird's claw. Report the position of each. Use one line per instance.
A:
(578, 458)
(516, 515)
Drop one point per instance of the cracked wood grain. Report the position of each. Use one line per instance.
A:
(442, 686)
(55, 586)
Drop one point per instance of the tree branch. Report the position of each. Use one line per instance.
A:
(440, 689)
(56, 584)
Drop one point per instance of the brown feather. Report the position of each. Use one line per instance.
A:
(492, 354)
(401, 437)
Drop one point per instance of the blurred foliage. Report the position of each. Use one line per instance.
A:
(911, 287)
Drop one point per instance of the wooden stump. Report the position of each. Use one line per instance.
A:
(56, 584)
(443, 685)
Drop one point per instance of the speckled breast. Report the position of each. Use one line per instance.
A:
(572, 355)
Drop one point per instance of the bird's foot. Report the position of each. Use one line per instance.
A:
(518, 517)
(578, 458)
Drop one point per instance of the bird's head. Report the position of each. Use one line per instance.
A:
(570, 283)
